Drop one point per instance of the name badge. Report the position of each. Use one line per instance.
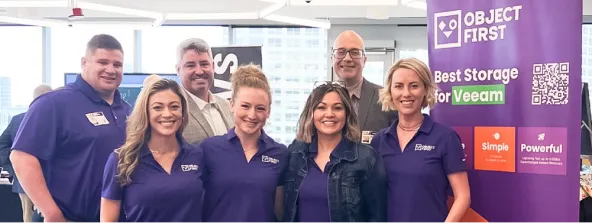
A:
(367, 136)
(97, 118)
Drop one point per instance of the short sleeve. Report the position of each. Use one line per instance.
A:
(38, 132)
(285, 163)
(453, 155)
(112, 189)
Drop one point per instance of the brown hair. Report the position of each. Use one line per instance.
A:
(306, 129)
(138, 128)
(103, 41)
(252, 76)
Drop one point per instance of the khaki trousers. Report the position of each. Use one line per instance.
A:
(27, 206)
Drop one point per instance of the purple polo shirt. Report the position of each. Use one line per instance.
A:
(237, 190)
(72, 131)
(154, 195)
(313, 199)
(417, 177)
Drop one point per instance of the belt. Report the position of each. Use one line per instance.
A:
(39, 213)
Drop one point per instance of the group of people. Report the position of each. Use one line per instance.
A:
(181, 153)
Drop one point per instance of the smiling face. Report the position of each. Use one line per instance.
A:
(196, 70)
(348, 56)
(408, 92)
(251, 109)
(103, 70)
(165, 112)
(329, 115)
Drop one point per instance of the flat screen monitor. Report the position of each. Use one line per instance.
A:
(130, 85)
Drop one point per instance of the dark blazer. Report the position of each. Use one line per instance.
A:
(357, 186)
(6, 140)
(370, 114)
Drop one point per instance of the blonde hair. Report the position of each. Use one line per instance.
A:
(138, 128)
(306, 129)
(425, 75)
(249, 75)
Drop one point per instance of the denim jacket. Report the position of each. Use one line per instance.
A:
(357, 182)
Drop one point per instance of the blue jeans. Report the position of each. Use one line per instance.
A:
(37, 217)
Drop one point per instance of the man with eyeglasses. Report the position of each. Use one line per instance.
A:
(349, 59)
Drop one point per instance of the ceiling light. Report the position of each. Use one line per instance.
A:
(211, 16)
(33, 22)
(120, 10)
(33, 4)
(271, 9)
(299, 21)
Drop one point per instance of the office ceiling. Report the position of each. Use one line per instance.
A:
(319, 13)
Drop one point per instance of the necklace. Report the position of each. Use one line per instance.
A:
(162, 153)
(410, 128)
(244, 150)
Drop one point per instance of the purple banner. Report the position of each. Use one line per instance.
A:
(509, 78)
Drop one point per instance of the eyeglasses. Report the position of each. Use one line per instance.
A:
(353, 53)
(335, 84)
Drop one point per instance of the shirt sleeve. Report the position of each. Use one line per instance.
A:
(112, 189)
(285, 163)
(453, 155)
(38, 132)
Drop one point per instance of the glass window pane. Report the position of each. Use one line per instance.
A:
(374, 72)
(159, 45)
(293, 59)
(587, 55)
(421, 54)
(21, 70)
(68, 46)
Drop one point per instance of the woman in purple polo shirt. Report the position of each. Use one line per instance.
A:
(242, 169)
(155, 175)
(423, 159)
(332, 176)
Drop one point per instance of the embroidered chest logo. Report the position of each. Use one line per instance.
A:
(267, 159)
(420, 147)
(189, 167)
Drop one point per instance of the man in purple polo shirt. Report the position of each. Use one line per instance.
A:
(65, 139)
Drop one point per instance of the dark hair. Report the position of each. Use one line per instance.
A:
(103, 41)
(306, 129)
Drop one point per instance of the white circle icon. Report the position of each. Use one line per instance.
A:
(452, 24)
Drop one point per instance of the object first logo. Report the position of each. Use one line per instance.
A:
(455, 28)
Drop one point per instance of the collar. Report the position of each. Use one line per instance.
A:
(356, 89)
(264, 139)
(345, 149)
(201, 103)
(426, 126)
(90, 92)
(183, 147)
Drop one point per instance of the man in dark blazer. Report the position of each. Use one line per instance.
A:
(349, 58)
(6, 140)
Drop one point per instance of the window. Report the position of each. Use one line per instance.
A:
(21, 71)
(274, 42)
(421, 54)
(587, 55)
(68, 46)
(159, 45)
(302, 72)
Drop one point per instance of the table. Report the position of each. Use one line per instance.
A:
(10, 205)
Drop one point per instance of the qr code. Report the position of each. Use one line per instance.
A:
(550, 84)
